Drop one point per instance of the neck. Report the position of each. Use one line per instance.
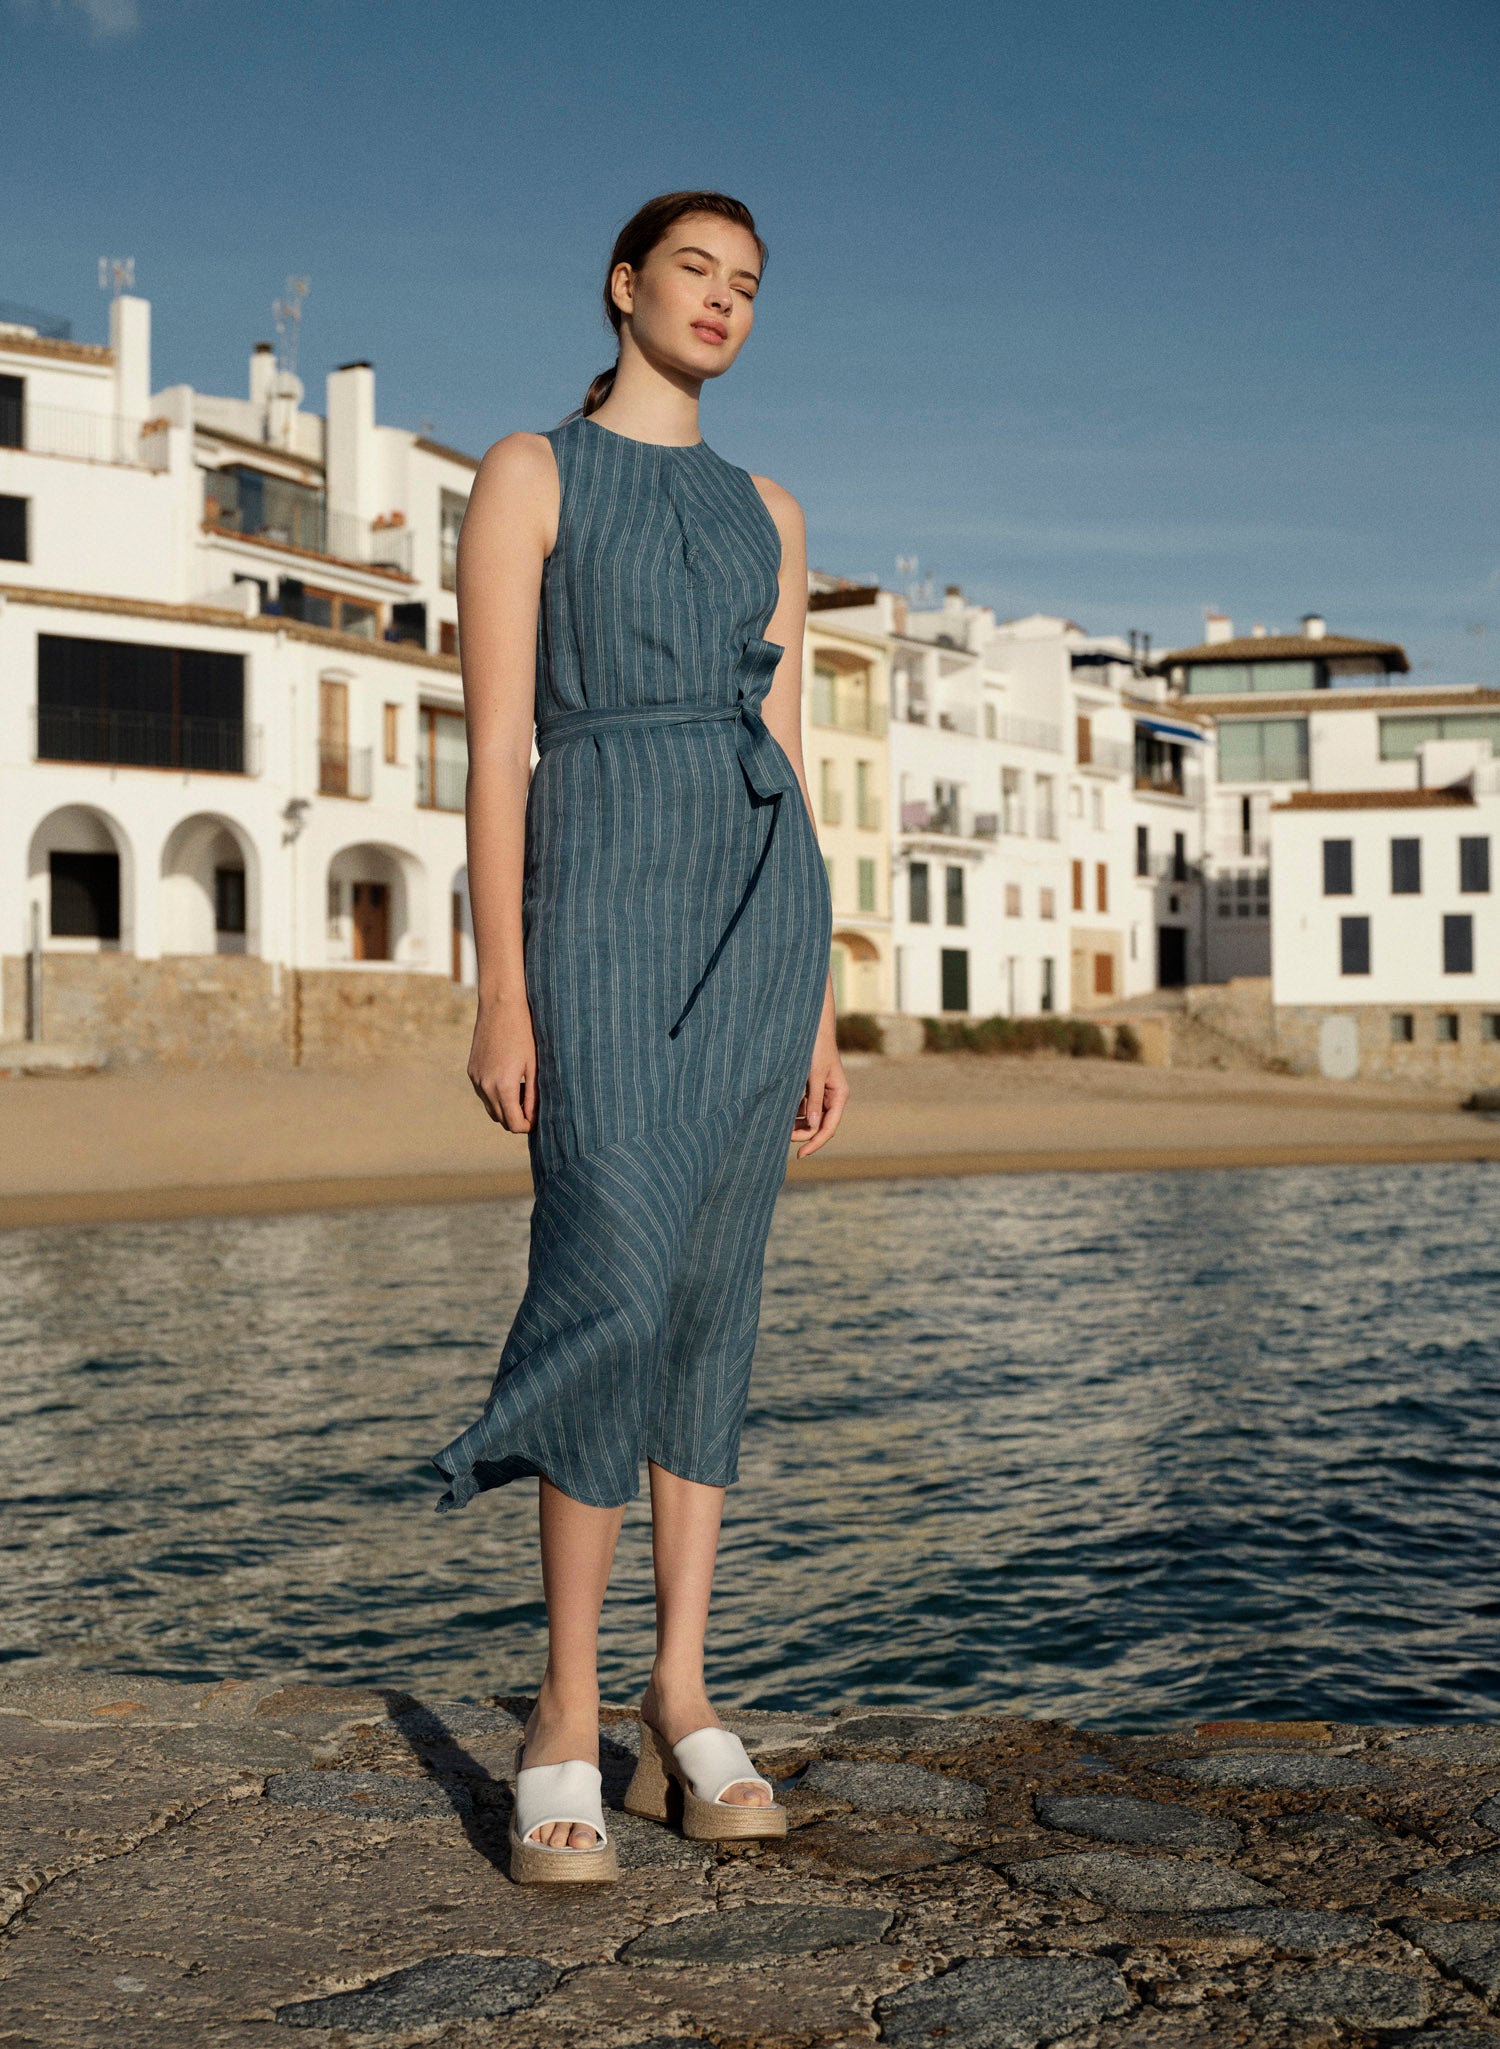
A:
(651, 403)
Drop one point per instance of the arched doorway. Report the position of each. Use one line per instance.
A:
(854, 963)
(81, 875)
(210, 888)
(374, 895)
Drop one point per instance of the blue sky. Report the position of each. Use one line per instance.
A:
(1115, 308)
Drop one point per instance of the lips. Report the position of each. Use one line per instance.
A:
(710, 330)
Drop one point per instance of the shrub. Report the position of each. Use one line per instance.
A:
(858, 1032)
(1073, 1036)
(1127, 1042)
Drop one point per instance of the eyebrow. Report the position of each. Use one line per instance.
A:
(692, 249)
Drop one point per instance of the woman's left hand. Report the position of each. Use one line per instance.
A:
(827, 1090)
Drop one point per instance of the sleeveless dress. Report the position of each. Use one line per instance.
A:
(676, 919)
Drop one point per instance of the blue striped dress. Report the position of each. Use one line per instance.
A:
(676, 920)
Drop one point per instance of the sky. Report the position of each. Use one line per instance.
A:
(1119, 309)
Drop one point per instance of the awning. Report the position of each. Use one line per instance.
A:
(1169, 728)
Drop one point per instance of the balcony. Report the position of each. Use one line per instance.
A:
(1106, 757)
(291, 515)
(1033, 733)
(955, 821)
(343, 771)
(80, 436)
(134, 739)
(1170, 868)
(845, 713)
(441, 784)
(1157, 782)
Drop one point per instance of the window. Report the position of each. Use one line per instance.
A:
(390, 727)
(829, 808)
(1012, 899)
(1049, 986)
(866, 804)
(408, 625)
(867, 885)
(451, 505)
(12, 412)
(1104, 974)
(315, 607)
(85, 896)
(918, 886)
(1075, 800)
(1179, 859)
(241, 500)
(991, 723)
(1403, 1027)
(1078, 903)
(1406, 867)
(1446, 1027)
(822, 710)
(442, 758)
(138, 706)
(1354, 946)
(1473, 866)
(1263, 751)
(955, 979)
(1458, 943)
(229, 900)
(953, 902)
(1489, 1027)
(1046, 807)
(1047, 903)
(1230, 679)
(447, 637)
(1338, 867)
(1101, 886)
(333, 737)
(13, 535)
(360, 620)
(1085, 735)
(1012, 801)
(1096, 807)
(1401, 737)
(1143, 850)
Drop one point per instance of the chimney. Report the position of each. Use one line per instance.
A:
(130, 341)
(1314, 626)
(350, 448)
(1258, 631)
(262, 375)
(1217, 626)
(953, 597)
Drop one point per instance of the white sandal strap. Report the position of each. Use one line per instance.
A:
(570, 1792)
(714, 1760)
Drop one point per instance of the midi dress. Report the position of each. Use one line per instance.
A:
(676, 920)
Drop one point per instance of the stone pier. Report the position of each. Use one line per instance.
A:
(185, 1867)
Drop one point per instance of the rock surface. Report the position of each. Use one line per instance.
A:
(202, 1867)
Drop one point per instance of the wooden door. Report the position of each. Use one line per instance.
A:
(333, 738)
(371, 921)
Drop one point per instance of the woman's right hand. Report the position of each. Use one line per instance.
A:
(502, 1061)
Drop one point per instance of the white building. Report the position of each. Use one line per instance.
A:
(232, 725)
(1386, 937)
(1306, 712)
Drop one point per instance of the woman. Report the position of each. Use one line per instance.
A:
(652, 919)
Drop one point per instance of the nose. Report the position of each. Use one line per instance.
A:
(719, 296)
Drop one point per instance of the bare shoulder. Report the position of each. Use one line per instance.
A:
(516, 480)
(781, 505)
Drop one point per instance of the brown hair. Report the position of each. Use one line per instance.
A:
(634, 243)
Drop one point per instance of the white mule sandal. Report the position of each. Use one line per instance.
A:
(560, 1792)
(704, 1766)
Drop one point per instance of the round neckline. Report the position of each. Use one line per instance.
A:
(668, 447)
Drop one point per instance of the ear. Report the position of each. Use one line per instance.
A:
(622, 287)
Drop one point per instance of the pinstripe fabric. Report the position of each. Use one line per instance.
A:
(676, 922)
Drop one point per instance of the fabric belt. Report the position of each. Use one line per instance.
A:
(766, 767)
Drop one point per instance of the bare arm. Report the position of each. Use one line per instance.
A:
(509, 529)
(822, 1105)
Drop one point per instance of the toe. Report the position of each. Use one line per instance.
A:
(581, 1837)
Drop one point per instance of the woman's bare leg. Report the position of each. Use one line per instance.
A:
(685, 1519)
(578, 1548)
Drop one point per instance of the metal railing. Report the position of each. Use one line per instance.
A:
(82, 436)
(1034, 733)
(343, 771)
(826, 708)
(1159, 782)
(951, 820)
(1112, 757)
(136, 739)
(294, 516)
(1163, 867)
(441, 785)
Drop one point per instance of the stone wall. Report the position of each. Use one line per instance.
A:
(1240, 1010)
(225, 1009)
(1474, 1062)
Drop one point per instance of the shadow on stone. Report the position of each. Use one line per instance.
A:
(481, 1802)
(449, 1988)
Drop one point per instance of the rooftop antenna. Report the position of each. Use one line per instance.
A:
(287, 314)
(116, 275)
(920, 590)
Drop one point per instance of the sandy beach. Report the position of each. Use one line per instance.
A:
(157, 1143)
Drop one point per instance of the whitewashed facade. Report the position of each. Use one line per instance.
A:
(232, 714)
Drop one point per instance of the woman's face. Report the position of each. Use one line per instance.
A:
(691, 304)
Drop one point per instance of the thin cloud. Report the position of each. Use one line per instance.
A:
(106, 21)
